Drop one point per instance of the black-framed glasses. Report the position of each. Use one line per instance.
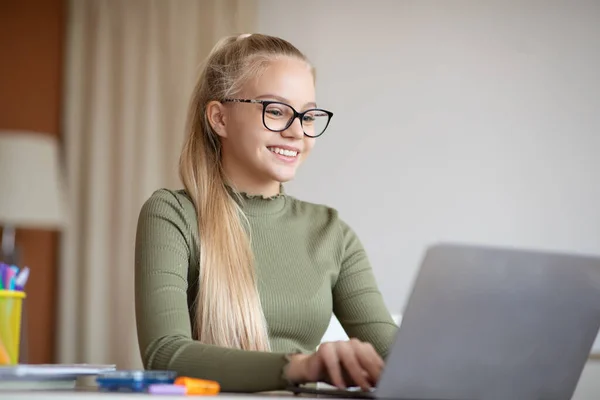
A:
(278, 116)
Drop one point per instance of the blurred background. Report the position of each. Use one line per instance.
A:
(472, 121)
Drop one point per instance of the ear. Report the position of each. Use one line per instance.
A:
(215, 113)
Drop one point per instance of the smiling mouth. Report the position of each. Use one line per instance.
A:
(283, 152)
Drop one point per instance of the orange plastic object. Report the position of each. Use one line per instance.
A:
(198, 386)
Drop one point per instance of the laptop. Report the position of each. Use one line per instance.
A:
(491, 323)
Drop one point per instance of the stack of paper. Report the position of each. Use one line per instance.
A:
(47, 376)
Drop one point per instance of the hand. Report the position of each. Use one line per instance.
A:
(349, 362)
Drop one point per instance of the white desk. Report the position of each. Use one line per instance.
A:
(95, 395)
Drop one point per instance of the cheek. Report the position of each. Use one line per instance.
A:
(245, 125)
(248, 146)
(247, 136)
(309, 143)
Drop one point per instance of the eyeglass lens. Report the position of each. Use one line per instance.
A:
(278, 117)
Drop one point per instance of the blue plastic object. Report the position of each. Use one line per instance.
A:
(133, 381)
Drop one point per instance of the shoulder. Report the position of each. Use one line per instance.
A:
(316, 211)
(327, 221)
(320, 214)
(172, 206)
(168, 200)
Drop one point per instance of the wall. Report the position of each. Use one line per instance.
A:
(463, 120)
(589, 383)
(31, 46)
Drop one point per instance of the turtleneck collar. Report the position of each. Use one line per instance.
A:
(256, 204)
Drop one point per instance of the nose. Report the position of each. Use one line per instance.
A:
(294, 131)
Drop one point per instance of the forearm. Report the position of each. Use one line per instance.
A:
(358, 303)
(371, 323)
(235, 370)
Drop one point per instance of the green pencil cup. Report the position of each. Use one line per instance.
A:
(11, 304)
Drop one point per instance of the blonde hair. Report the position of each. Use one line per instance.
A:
(229, 311)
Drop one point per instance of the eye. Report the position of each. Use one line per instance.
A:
(277, 111)
(274, 112)
(308, 118)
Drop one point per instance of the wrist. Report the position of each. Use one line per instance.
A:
(295, 371)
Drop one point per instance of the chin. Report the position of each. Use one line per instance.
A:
(279, 171)
(281, 178)
(283, 175)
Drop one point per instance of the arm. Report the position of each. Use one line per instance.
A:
(357, 301)
(162, 256)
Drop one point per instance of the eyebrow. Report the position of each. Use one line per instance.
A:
(284, 100)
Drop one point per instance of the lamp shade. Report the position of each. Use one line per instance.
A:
(31, 191)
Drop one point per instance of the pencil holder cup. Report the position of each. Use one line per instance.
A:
(11, 302)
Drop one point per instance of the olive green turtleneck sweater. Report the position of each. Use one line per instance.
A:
(309, 263)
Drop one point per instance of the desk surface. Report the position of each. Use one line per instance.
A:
(92, 395)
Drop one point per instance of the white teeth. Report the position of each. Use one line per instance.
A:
(289, 153)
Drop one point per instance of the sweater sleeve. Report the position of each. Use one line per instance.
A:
(357, 301)
(162, 255)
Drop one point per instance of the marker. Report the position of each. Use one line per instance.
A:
(186, 386)
(198, 386)
(21, 279)
(3, 275)
(9, 279)
(166, 389)
(15, 270)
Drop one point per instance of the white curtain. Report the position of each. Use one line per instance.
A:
(130, 69)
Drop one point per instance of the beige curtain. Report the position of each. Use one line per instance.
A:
(130, 69)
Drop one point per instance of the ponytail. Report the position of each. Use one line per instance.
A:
(228, 307)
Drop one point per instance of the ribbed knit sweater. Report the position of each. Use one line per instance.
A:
(309, 263)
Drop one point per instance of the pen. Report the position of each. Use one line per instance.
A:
(15, 271)
(2, 275)
(9, 279)
(21, 279)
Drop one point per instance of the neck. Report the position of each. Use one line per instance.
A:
(243, 182)
(258, 203)
(269, 189)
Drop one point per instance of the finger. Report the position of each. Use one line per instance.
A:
(329, 357)
(369, 360)
(377, 359)
(352, 366)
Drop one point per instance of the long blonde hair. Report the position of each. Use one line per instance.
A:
(229, 311)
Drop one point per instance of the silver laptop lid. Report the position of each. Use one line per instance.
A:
(493, 323)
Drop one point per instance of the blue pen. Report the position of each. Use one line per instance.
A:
(1, 276)
(4, 275)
